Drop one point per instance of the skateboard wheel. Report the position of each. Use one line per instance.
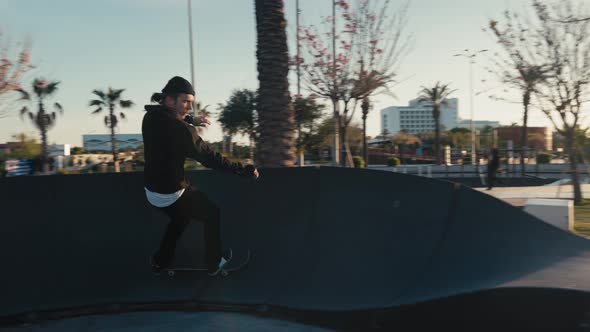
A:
(171, 273)
(224, 273)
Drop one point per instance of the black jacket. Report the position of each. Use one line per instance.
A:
(167, 142)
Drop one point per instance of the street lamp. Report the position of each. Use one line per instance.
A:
(190, 37)
(471, 57)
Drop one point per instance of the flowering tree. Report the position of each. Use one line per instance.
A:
(361, 60)
(558, 56)
(11, 71)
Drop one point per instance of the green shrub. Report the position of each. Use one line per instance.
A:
(544, 158)
(393, 162)
(359, 162)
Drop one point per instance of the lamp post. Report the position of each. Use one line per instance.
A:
(190, 40)
(471, 57)
(365, 107)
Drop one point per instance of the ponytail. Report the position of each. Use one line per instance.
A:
(158, 97)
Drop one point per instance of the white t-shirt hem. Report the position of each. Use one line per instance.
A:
(162, 200)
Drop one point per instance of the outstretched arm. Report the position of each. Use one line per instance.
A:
(201, 152)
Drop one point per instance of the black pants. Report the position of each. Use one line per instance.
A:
(492, 178)
(193, 205)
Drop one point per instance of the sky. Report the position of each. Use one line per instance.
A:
(138, 45)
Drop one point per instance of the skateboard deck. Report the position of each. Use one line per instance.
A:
(234, 264)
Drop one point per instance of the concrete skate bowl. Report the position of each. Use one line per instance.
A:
(342, 248)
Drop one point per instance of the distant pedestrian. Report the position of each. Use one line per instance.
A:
(493, 166)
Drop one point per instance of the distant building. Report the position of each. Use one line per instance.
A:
(539, 138)
(4, 148)
(10, 146)
(417, 117)
(94, 143)
(59, 150)
(477, 124)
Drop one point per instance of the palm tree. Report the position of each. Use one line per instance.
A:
(276, 145)
(436, 96)
(42, 120)
(110, 100)
(201, 111)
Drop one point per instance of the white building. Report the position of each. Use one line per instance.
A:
(417, 117)
(103, 142)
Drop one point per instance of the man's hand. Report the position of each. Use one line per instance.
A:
(252, 171)
(201, 121)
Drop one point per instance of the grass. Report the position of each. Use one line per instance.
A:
(582, 218)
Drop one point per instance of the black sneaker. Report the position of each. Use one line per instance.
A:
(225, 258)
(156, 268)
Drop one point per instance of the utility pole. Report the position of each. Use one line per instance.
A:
(298, 11)
(471, 57)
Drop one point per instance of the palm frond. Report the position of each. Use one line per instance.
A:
(96, 102)
(24, 95)
(126, 103)
(98, 110)
(59, 108)
(122, 115)
(99, 93)
(51, 88)
(23, 111)
(106, 120)
(53, 115)
(114, 94)
(31, 116)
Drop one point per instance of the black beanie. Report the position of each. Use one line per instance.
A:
(178, 84)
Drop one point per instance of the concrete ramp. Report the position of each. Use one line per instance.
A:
(322, 239)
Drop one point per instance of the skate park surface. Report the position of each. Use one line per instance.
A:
(334, 248)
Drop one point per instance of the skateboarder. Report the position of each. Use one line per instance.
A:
(493, 166)
(168, 139)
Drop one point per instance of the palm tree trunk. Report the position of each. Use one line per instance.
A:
(365, 152)
(524, 132)
(300, 149)
(276, 146)
(437, 135)
(43, 128)
(44, 151)
(113, 141)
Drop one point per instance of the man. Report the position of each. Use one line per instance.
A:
(169, 139)
(493, 166)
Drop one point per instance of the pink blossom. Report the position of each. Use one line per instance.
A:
(343, 4)
(24, 57)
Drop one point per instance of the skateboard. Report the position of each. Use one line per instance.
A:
(232, 265)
